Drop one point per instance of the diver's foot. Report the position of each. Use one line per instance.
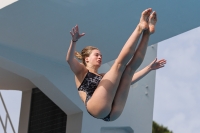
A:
(152, 22)
(143, 24)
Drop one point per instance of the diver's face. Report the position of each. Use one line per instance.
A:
(95, 58)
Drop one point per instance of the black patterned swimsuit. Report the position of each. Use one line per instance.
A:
(89, 85)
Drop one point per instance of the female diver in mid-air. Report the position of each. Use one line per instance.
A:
(105, 95)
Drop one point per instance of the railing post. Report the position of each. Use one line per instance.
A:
(2, 125)
(6, 122)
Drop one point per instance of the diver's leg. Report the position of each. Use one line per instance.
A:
(106, 90)
(132, 66)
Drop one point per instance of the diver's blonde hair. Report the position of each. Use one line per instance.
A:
(84, 53)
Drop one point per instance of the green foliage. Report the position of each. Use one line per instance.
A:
(159, 128)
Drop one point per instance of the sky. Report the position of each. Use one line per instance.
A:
(177, 92)
(12, 100)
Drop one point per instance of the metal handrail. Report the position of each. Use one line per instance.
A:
(7, 117)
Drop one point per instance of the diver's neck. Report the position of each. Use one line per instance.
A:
(92, 69)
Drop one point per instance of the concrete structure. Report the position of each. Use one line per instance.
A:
(34, 39)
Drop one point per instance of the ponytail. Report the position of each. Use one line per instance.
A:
(78, 55)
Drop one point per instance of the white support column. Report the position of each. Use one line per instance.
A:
(74, 123)
(25, 111)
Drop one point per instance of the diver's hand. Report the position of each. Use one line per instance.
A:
(156, 64)
(75, 34)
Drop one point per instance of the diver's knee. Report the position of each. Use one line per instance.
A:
(115, 115)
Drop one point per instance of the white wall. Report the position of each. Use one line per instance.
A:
(4, 3)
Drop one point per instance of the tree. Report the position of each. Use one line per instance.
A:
(159, 128)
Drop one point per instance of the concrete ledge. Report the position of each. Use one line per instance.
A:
(117, 130)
